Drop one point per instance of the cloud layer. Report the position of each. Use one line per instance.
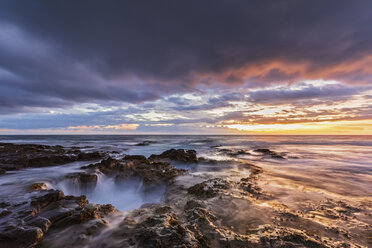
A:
(160, 62)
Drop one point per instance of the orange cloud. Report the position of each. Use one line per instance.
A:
(122, 126)
(274, 71)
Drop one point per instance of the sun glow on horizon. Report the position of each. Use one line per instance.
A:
(352, 127)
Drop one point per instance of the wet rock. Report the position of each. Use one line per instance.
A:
(202, 190)
(4, 212)
(237, 153)
(49, 160)
(27, 223)
(90, 155)
(87, 178)
(65, 212)
(209, 188)
(155, 226)
(207, 160)
(108, 163)
(137, 166)
(81, 201)
(289, 216)
(38, 186)
(38, 221)
(18, 156)
(2, 171)
(287, 238)
(21, 237)
(4, 204)
(201, 223)
(139, 158)
(268, 152)
(58, 213)
(248, 185)
(106, 166)
(151, 173)
(193, 204)
(215, 146)
(181, 155)
(87, 182)
(92, 211)
(145, 143)
(255, 170)
(95, 226)
(225, 150)
(46, 198)
(163, 210)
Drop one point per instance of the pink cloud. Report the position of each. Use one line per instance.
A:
(103, 127)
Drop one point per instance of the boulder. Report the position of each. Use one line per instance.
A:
(268, 152)
(47, 197)
(19, 156)
(181, 155)
(26, 223)
(145, 143)
(38, 186)
(138, 166)
(89, 155)
(85, 179)
(153, 226)
(19, 237)
(209, 188)
(150, 173)
(139, 158)
(106, 166)
(93, 211)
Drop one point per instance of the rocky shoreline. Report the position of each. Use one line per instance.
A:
(199, 210)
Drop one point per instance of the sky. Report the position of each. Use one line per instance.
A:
(186, 67)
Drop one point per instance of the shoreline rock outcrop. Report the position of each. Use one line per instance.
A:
(180, 155)
(138, 167)
(19, 156)
(270, 153)
(211, 208)
(26, 223)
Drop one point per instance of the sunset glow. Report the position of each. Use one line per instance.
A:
(297, 76)
(188, 123)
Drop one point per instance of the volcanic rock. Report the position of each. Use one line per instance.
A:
(145, 143)
(47, 197)
(181, 155)
(209, 188)
(151, 173)
(18, 156)
(26, 223)
(38, 186)
(268, 152)
(137, 166)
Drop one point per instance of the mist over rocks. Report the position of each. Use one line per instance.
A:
(86, 182)
(226, 201)
(138, 166)
(26, 223)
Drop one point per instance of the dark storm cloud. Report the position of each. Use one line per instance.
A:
(56, 53)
